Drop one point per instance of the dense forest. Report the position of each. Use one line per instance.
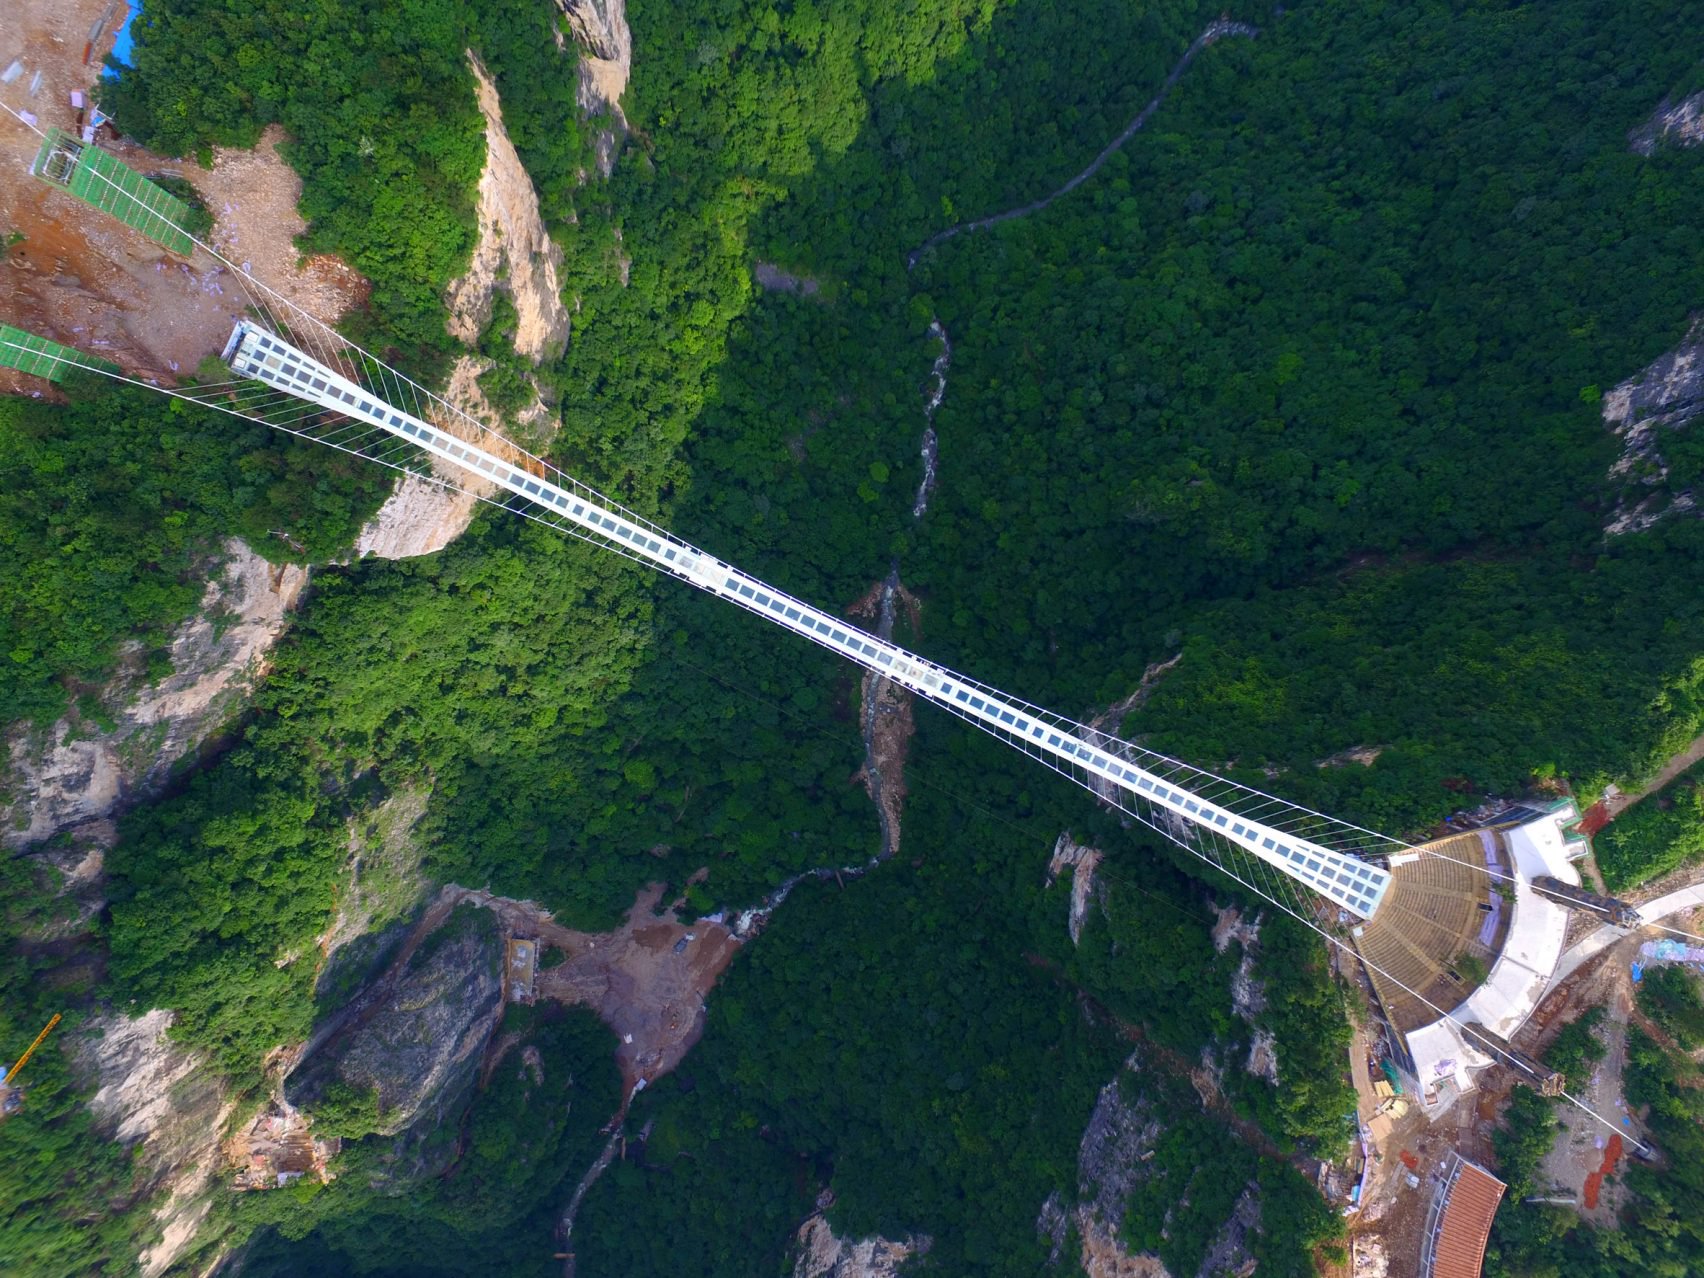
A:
(116, 503)
(1304, 385)
(1660, 834)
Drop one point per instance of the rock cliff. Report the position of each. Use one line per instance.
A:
(601, 28)
(1666, 397)
(160, 1098)
(78, 772)
(516, 253)
(1082, 861)
(512, 234)
(417, 1037)
(1110, 1163)
(822, 1254)
(1677, 123)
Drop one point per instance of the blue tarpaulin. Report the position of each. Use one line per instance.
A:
(123, 45)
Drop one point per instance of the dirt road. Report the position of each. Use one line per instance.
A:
(1616, 801)
(1578, 1151)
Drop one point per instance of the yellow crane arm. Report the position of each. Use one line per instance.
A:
(29, 1051)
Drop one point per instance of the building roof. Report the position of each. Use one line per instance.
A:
(1472, 1197)
(1528, 947)
(1537, 934)
(1429, 917)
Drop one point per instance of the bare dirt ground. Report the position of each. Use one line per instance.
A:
(1394, 1217)
(1579, 1146)
(646, 985)
(639, 978)
(252, 196)
(83, 278)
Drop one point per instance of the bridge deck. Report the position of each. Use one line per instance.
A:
(1148, 781)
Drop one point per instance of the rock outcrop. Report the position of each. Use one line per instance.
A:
(77, 772)
(821, 1254)
(511, 233)
(606, 61)
(1674, 123)
(1082, 862)
(418, 1037)
(1667, 396)
(516, 253)
(1110, 1164)
(160, 1097)
(420, 517)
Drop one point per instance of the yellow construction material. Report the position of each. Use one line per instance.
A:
(12, 1074)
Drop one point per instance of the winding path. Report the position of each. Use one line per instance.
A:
(1215, 31)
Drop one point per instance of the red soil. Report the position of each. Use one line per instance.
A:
(1596, 817)
(1594, 1182)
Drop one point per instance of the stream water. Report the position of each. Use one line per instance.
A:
(937, 393)
(748, 922)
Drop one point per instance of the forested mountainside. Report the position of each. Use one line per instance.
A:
(1305, 388)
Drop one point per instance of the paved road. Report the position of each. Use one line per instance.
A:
(1595, 943)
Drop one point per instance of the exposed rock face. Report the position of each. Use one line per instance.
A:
(772, 279)
(510, 231)
(418, 1043)
(1109, 1165)
(1363, 756)
(1248, 995)
(418, 518)
(1665, 397)
(1679, 123)
(385, 883)
(822, 1255)
(135, 1069)
(79, 774)
(1082, 862)
(1229, 1252)
(421, 517)
(607, 60)
(152, 1092)
(79, 863)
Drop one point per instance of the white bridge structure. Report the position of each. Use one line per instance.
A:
(304, 378)
(1320, 853)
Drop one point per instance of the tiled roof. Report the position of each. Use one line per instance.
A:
(1473, 1198)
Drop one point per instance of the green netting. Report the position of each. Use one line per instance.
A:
(31, 354)
(99, 179)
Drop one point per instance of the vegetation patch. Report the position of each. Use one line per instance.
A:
(1656, 836)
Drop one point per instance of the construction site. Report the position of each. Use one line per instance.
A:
(1481, 955)
(121, 287)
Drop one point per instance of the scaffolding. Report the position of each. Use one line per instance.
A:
(106, 183)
